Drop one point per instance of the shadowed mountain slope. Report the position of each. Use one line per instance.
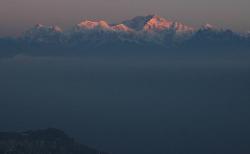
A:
(47, 141)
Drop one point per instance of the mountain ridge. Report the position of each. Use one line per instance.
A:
(139, 23)
(45, 141)
(141, 33)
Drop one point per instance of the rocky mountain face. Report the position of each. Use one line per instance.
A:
(47, 141)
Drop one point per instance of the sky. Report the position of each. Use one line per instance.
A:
(16, 16)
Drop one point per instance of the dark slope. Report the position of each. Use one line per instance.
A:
(47, 141)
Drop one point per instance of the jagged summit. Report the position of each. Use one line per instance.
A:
(42, 33)
(207, 27)
(121, 27)
(140, 30)
(102, 25)
(57, 29)
(149, 23)
(87, 24)
(137, 23)
(181, 28)
(38, 28)
(155, 23)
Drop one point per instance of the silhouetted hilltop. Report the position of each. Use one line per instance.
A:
(46, 141)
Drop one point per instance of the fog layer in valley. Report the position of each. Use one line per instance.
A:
(178, 103)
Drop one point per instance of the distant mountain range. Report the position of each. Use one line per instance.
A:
(45, 141)
(150, 32)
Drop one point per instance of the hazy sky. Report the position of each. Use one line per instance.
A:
(18, 15)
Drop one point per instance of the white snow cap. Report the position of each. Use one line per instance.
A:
(207, 26)
(154, 23)
(88, 24)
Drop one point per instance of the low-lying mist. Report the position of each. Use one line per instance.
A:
(133, 104)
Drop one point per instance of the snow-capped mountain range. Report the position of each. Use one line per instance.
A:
(154, 23)
(140, 29)
(149, 24)
(149, 32)
(150, 28)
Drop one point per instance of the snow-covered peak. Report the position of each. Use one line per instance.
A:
(40, 27)
(157, 23)
(121, 27)
(154, 23)
(137, 23)
(87, 24)
(57, 29)
(247, 34)
(42, 33)
(207, 27)
(179, 27)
